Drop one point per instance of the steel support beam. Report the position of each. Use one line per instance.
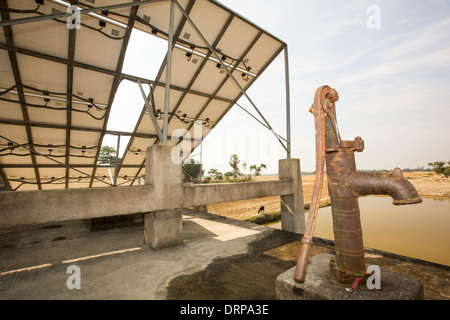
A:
(123, 76)
(245, 19)
(8, 22)
(200, 68)
(116, 172)
(232, 103)
(205, 60)
(249, 84)
(58, 165)
(180, 27)
(50, 158)
(117, 78)
(288, 102)
(71, 57)
(16, 72)
(227, 70)
(150, 111)
(78, 128)
(168, 74)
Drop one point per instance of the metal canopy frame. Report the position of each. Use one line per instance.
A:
(176, 29)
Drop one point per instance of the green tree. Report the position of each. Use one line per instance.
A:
(107, 155)
(228, 175)
(215, 174)
(257, 169)
(440, 167)
(234, 163)
(191, 170)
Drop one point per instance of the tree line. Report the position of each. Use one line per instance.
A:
(192, 171)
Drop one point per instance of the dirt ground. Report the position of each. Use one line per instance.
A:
(427, 184)
(244, 209)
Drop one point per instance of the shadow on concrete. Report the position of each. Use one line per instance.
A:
(248, 276)
(220, 259)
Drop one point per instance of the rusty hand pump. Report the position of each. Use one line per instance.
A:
(345, 185)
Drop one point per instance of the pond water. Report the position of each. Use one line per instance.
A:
(420, 231)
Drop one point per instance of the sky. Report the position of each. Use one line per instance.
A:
(388, 60)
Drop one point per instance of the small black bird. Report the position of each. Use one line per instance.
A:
(261, 209)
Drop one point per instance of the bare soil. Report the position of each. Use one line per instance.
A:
(427, 184)
(245, 209)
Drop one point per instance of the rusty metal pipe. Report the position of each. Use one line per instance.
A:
(392, 184)
(347, 230)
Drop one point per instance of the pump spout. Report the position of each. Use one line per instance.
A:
(392, 184)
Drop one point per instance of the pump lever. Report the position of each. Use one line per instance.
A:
(324, 100)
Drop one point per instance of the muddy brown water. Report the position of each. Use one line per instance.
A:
(419, 231)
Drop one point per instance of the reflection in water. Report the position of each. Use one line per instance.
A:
(420, 231)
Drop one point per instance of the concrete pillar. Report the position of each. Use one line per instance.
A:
(292, 206)
(163, 228)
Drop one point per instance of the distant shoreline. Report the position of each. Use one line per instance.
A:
(427, 184)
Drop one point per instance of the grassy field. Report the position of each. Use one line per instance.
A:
(427, 185)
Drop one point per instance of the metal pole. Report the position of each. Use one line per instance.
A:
(168, 74)
(288, 102)
(117, 160)
(201, 161)
(228, 71)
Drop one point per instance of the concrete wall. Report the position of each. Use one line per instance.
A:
(163, 191)
(28, 207)
(196, 195)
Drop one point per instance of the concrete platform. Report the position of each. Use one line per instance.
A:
(320, 284)
(220, 258)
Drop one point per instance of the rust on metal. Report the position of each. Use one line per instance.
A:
(323, 101)
(345, 186)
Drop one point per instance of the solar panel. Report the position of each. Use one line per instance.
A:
(57, 85)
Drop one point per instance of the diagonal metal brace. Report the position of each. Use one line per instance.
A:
(150, 111)
(228, 71)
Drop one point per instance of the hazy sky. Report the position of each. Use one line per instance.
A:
(393, 82)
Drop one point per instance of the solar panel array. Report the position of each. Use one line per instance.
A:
(57, 85)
